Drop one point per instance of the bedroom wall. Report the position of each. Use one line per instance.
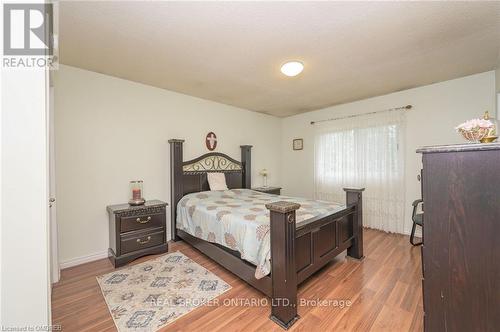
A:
(497, 77)
(438, 108)
(110, 131)
(497, 87)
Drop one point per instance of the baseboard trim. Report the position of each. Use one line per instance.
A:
(83, 259)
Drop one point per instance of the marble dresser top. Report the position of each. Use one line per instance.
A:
(460, 147)
(125, 207)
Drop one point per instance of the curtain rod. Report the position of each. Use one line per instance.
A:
(407, 107)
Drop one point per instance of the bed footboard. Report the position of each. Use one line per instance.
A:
(283, 268)
(296, 253)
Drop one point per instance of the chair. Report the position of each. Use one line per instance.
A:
(418, 219)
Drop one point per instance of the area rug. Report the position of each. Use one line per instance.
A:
(150, 295)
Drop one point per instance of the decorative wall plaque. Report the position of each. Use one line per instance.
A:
(211, 141)
(298, 144)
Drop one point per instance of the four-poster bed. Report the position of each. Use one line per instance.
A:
(297, 250)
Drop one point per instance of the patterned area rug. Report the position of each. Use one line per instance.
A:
(150, 295)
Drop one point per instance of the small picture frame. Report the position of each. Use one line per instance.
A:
(298, 144)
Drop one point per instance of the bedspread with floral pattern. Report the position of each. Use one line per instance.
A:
(239, 220)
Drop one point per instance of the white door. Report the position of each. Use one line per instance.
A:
(54, 252)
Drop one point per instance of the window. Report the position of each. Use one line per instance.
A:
(366, 152)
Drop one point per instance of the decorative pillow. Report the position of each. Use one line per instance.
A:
(217, 181)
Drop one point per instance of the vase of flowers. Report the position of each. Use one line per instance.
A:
(475, 130)
(264, 174)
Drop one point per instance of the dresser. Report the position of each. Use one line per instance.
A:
(461, 250)
(136, 231)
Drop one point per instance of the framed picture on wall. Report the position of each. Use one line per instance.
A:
(298, 144)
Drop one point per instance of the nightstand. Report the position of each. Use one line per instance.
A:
(269, 190)
(136, 231)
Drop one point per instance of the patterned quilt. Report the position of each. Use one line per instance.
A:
(239, 220)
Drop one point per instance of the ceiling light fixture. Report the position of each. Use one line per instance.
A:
(292, 68)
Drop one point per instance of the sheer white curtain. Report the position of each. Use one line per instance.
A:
(365, 151)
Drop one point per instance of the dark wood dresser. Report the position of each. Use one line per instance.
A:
(136, 231)
(461, 250)
(269, 190)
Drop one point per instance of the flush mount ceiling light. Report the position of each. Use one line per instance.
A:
(292, 68)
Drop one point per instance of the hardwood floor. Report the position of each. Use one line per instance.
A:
(384, 290)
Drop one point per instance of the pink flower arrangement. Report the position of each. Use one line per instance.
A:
(475, 129)
(474, 124)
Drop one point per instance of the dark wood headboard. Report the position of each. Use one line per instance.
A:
(191, 176)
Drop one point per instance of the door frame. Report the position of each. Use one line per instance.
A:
(55, 271)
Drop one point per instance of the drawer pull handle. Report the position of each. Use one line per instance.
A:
(145, 241)
(148, 219)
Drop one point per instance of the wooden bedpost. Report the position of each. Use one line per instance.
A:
(246, 160)
(176, 190)
(283, 269)
(354, 196)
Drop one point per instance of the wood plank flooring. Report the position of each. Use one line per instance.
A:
(384, 290)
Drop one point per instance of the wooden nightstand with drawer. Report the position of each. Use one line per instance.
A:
(136, 231)
(269, 190)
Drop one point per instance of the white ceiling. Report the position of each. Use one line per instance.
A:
(232, 52)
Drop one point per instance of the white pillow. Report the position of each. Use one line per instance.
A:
(217, 181)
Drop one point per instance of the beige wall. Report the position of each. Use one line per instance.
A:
(110, 131)
(497, 86)
(497, 79)
(438, 108)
